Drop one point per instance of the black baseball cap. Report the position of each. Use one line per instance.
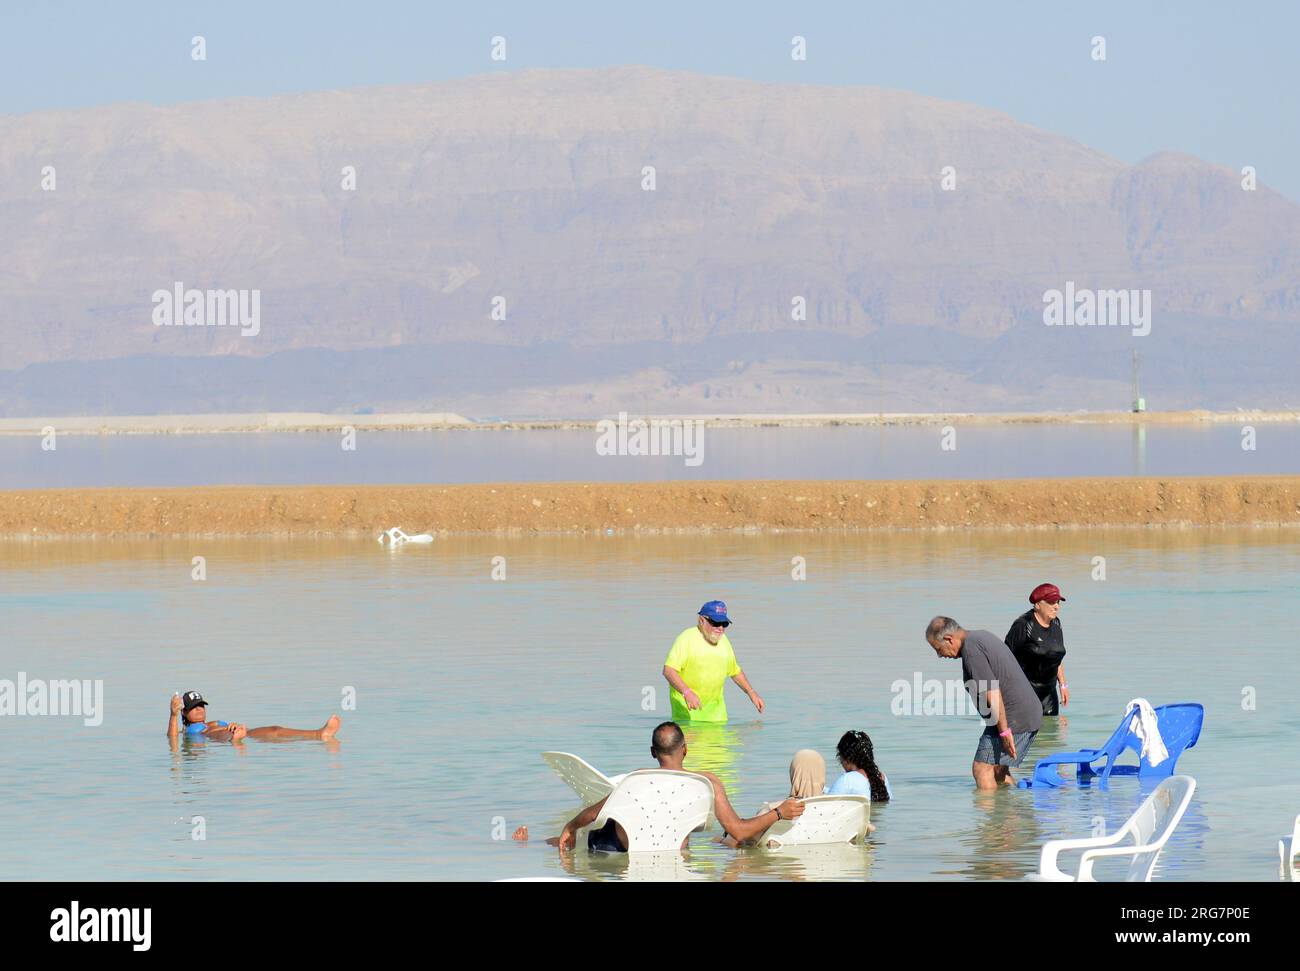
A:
(192, 699)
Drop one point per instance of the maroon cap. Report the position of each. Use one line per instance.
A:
(1046, 591)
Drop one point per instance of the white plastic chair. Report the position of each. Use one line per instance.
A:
(589, 783)
(1141, 837)
(1287, 848)
(825, 819)
(658, 808)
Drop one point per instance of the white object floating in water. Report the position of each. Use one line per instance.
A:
(398, 538)
(1287, 848)
(1140, 839)
(825, 819)
(658, 808)
(588, 782)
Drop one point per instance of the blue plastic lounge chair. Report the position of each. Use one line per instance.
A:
(1180, 727)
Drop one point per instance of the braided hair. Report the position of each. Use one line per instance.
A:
(855, 749)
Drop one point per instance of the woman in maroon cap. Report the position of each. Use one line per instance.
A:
(1038, 644)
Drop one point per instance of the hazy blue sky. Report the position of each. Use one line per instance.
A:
(1214, 80)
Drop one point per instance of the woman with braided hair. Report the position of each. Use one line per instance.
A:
(862, 777)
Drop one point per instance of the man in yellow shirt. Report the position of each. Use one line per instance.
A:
(698, 665)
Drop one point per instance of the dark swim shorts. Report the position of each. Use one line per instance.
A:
(991, 750)
(605, 839)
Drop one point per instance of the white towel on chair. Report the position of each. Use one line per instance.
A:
(1147, 730)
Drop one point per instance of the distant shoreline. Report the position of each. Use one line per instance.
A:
(651, 507)
(258, 423)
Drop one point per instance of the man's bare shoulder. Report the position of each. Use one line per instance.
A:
(711, 777)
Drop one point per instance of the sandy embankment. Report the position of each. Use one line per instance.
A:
(658, 506)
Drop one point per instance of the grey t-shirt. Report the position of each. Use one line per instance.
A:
(985, 660)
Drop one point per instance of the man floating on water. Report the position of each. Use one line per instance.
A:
(698, 665)
(190, 711)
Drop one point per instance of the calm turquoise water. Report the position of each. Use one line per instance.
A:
(846, 452)
(461, 681)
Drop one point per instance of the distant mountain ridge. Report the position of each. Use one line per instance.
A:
(529, 187)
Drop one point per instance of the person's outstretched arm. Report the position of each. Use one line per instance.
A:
(569, 835)
(234, 732)
(742, 683)
(674, 678)
(743, 829)
(998, 711)
(737, 675)
(174, 720)
(755, 826)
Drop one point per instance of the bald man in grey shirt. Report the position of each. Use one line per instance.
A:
(1011, 709)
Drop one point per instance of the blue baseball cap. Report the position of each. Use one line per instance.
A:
(716, 611)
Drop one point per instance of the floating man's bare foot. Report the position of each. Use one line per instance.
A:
(331, 727)
(520, 834)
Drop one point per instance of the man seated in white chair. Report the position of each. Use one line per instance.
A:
(668, 746)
